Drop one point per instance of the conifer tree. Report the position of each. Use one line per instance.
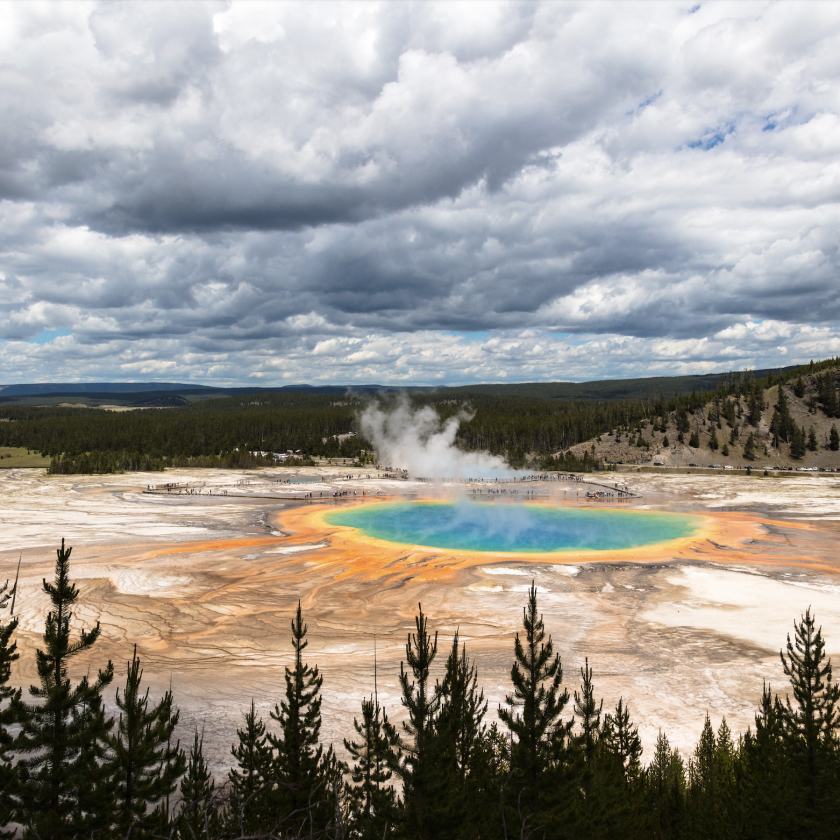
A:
(665, 791)
(713, 440)
(834, 439)
(702, 787)
(766, 794)
(9, 699)
(61, 738)
(421, 700)
(371, 794)
(621, 738)
(797, 442)
(248, 778)
(812, 440)
(145, 765)
(197, 811)
(811, 723)
(463, 773)
(694, 440)
(298, 763)
(588, 712)
(533, 713)
(749, 448)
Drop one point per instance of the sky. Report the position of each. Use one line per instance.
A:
(416, 193)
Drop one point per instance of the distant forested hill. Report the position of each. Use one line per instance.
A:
(510, 420)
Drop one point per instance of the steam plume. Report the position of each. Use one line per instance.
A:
(418, 441)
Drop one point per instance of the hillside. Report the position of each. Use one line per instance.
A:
(139, 394)
(728, 417)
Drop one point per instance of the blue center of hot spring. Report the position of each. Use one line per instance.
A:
(471, 526)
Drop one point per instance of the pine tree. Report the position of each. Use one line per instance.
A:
(811, 724)
(248, 778)
(197, 811)
(9, 701)
(537, 676)
(588, 713)
(421, 700)
(460, 796)
(612, 782)
(145, 765)
(694, 440)
(812, 439)
(371, 794)
(797, 442)
(621, 738)
(705, 787)
(799, 387)
(834, 439)
(713, 441)
(60, 742)
(665, 442)
(749, 448)
(665, 791)
(298, 761)
(765, 768)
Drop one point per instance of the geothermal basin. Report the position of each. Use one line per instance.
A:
(680, 598)
(496, 526)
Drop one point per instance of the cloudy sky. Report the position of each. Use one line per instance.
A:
(270, 193)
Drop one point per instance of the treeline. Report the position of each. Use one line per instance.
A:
(214, 429)
(555, 764)
(223, 432)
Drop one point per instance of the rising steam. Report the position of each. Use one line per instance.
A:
(417, 440)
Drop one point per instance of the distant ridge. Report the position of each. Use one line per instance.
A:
(96, 388)
(163, 393)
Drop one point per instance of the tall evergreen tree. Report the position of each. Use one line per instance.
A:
(533, 714)
(811, 724)
(61, 740)
(421, 700)
(797, 442)
(588, 713)
(621, 738)
(248, 778)
(834, 439)
(463, 784)
(9, 700)
(371, 794)
(145, 765)
(765, 772)
(298, 764)
(197, 813)
(664, 795)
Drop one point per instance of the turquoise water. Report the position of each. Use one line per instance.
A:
(471, 526)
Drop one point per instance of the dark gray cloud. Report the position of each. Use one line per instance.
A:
(416, 191)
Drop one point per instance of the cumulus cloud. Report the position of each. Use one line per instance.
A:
(416, 192)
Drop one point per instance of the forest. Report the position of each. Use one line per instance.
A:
(223, 432)
(549, 763)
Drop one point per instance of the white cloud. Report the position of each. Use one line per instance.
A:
(417, 192)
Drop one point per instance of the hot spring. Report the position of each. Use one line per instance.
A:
(515, 528)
